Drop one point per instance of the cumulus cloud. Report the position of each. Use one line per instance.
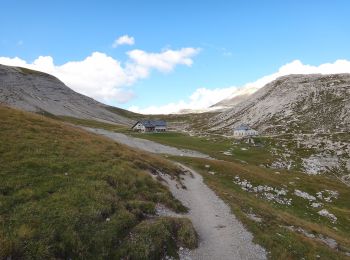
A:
(199, 100)
(165, 60)
(203, 98)
(123, 40)
(297, 67)
(104, 78)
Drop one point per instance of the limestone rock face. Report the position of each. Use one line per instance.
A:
(35, 91)
(294, 104)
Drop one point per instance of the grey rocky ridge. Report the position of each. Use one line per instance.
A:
(305, 119)
(36, 91)
(231, 102)
(294, 104)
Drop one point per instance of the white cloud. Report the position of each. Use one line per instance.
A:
(123, 40)
(104, 78)
(297, 67)
(202, 98)
(165, 60)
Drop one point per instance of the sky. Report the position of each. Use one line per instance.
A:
(159, 56)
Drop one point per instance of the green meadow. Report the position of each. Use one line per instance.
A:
(293, 231)
(68, 194)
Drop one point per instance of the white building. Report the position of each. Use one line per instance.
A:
(244, 131)
(150, 126)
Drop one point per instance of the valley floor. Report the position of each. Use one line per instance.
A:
(145, 145)
(285, 217)
(221, 235)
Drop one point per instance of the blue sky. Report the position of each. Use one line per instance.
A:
(239, 41)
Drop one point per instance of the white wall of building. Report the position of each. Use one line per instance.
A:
(142, 128)
(160, 128)
(242, 133)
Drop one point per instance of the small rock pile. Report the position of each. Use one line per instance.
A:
(327, 214)
(265, 192)
(325, 195)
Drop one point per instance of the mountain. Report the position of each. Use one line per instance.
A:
(36, 91)
(293, 104)
(238, 96)
(304, 121)
(231, 102)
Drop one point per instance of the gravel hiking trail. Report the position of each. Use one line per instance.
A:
(145, 145)
(221, 235)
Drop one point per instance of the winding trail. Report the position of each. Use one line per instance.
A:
(146, 145)
(221, 235)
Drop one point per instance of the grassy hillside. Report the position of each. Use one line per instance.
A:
(65, 193)
(294, 231)
(302, 152)
(216, 146)
(291, 231)
(125, 113)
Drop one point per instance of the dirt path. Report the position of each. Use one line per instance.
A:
(145, 145)
(221, 235)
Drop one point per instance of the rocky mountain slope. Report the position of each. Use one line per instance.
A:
(231, 102)
(293, 104)
(236, 97)
(35, 91)
(305, 120)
